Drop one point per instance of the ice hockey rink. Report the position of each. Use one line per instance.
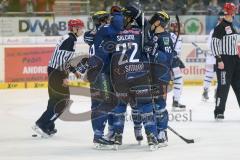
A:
(19, 108)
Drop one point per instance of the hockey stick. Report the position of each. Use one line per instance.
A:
(178, 33)
(142, 30)
(180, 136)
(195, 45)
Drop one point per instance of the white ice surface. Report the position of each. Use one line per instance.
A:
(20, 108)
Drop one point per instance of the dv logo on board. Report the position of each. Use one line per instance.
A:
(33, 25)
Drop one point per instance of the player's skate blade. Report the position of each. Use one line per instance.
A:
(117, 141)
(139, 143)
(102, 143)
(152, 142)
(139, 140)
(179, 108)
(138, 135)
(162, 139)
(162, 144)
(219, 117)
(40, 132)
(153, 147)
(205, 96)
(176, 106)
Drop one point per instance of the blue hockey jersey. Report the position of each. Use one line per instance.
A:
(104, 42)
(161, 57)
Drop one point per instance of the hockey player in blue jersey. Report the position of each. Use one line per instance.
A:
(99, 18)
(131, 81)
(98, 74)
(161, 57)
(159, 48)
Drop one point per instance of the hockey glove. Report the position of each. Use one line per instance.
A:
(135, 11)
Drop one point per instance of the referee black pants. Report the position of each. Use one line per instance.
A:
(59, 96)
(230, 75)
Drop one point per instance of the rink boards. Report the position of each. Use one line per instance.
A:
(27, 64)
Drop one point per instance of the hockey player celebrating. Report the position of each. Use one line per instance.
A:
(58, 71)
(161, 57)
(99, 73)
(176, 68)
(100, 18)
(130, 78)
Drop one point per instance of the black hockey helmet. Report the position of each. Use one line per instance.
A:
(127, 13)
(100, 16)
(162, 16)
(130, 12)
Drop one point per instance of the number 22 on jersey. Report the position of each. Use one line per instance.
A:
(125, 49)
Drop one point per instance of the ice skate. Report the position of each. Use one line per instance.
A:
(138, 135)
(162, 139)
(205, 96)
(176, 106)
(41, 132)
(117, 141)
(102, 143)
(152, 142)
(110, 135)
(219, 117)
(52, 132)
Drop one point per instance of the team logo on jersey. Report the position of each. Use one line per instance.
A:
(109, 46)
(166, 41)
(228, 30)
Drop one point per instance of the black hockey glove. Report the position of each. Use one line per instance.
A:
(82, 66)
(89, 37)
(148, 48)
(135, 11)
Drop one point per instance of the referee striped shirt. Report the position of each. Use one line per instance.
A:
(224, 39)
(63, 52)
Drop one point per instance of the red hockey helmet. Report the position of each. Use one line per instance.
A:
(75, 23)
(229, 8)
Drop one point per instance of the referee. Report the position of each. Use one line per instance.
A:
(58, 69)
(224, 48)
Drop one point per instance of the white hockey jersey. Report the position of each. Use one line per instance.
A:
(178, 47)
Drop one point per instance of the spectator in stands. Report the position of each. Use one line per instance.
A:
(98, 5)
(214, 8)
(44, 5)
(152, 5)
(4, 5)
(180, 7)
(29, 6)
(196, 7)
(237, 4)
